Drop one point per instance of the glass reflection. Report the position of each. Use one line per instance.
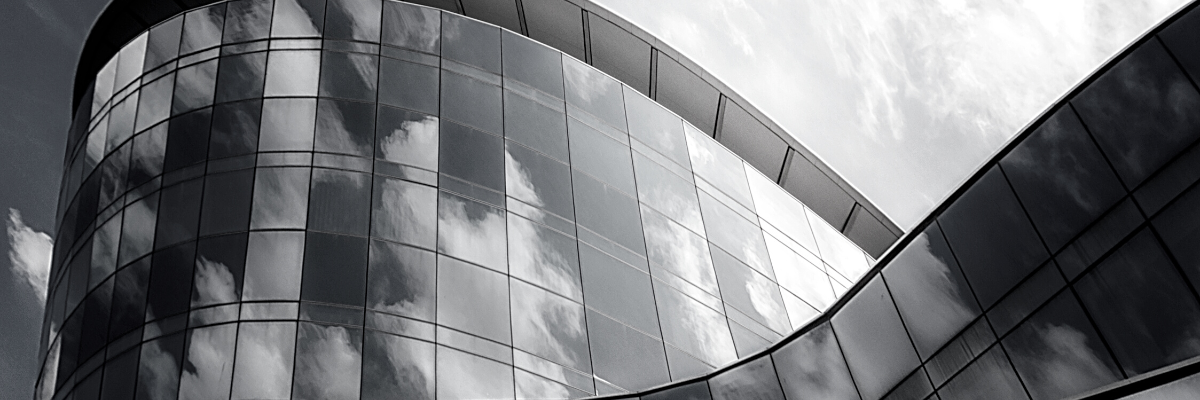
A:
(408, 85)
(407, 25)
(408, 138)
(241, 76)
(473, 299)
(194, 87)
(247, 20)
(549, 326)
(235, 129)
(461, 376)
(349, 75)
(799, 275)
(741, 238)
(1057, 353)
(593, 92)
(353, 20)
(402, 280)
(219, 270)
(676, 249)
(719, 166)
(668, 193)
(693, 327)
(655, 126)
(874, 341)
(538, 180)
(990, 373)
(600, 156)
(298, 18)
(202, 28)
(273, 266)
(472, 155)
(287, 125)
(544, 257)
(812, 367)
(753, 380)
(404, 212)
(154, 102)
(339, 201)
(471, 42)
(397, 367)
(750, 292)
(208, 368)
(280, 198)
(263, 368)
(158, 372)
(930, 291)
(472, 231)
(780, 209)
(328, 362)
(292, 73)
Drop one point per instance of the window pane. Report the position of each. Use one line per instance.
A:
(280, 198)
(194, 87)
(339, 202)
(247, 20)
(401, 280)
(600, 156)
(220, 270)
(353, 20)
(345, 127)
(202, 29)
(549, 326)
(179, 216)
(406, 25)
(992, 237)
(874, 341)
(287, 125)
(617, 289)
(404, 212)
(408, 85)
(407, 137)
(778, 208)
(668, 193)
(1061, 178)
(473, 300)
(120, 375)
(292, 73)
(471, 231)
(472, 102)
(591, 91)
(137, 231)
(462, 376)
(273, 266)
(1057, 352)
(1141, 306)
(209, 361)
(544, 257)
(226, 202)
(694, 328)
(120, 124)
(397, 367)
(538, 180)
(235, 129)
(800, 275)
(264, 360)
(472, 155)
(187, 140)
(930, 291)
(349, 75)
(298, 18)
(1141, 112)
(1177, 225)
(335, 269)
(741, 238)
(656, 127)
(753, 380)
(812, 367)
(533, 63)
(535, 125)
(674, 248)
(158, 372)
(162, 44)
(471, 42)
(154, 103)
(607, 211)
(241, 76)
(624, 356)
(991, 374)
(719, 166)
(328, 362)
(750, 292)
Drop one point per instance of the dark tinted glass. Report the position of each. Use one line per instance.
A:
(241, 76)
(1177, 225)
(340, 202)
(472, 155)
(405, 212)
(161, 359)
(194, 87)
(179, 216)
(1061, 178)
(533, 64)
(220, 269)
(407, 137)
(753, 380)
(1057, 353)
(538, 180)
(406, 25)
(146, 155)
(298, 18)
(397, 367)
(473, 299)
(247, 20)
(335, 269)
(624, 356)
(353, 20)
(1142, 306)
(208, 362)
(120, 375)
(235, 129)
(618, 290)
(1100, 237)
(472, 102)
(280, 198)
(1025, 298)
(607, 211)
(591, 91)
(187, 140)
(202, 28)
(170, 281)
(401, 280)
(408, 85)
(812, 367)
(226, 202)
(346, 127)
(162, 43)
(873, 339)
(991, 374)
(691, 391)
(930, 291)
(96, 309)
(535, 125)
(471, 42)
(349, 75)
(129, 297)
(1142, 111)
(992, 237)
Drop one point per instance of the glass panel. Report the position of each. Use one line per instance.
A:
(605, 210)
(120, 124)
(273, 266)
(208, 368)
(535, 125)
(235, 129)
(335, 269)
(1141, 112)
(247, 20)
(1027, 297)
(473, 299)
(544, 257)
(298, 18)
(406, 25)
(163, 43)
(471, 231)
(105, 244)
(194, 87)
(675, 249)
(670, 194)
(353, 20)
(782, 211)
(187, 140)
(1142, 306)
(170, 281)
(241, 76)
(349, 75)
(158, 372)
(624, 356)
(538, 180)
(874, 341)
(656, 126)
(292, 73)
(408, 85)
(462, 376)
(146, 158)
(798, 274)
(137, 232)
(328, 362)
(533, 63)
(263, 369)
(472, 102)
(120, 375)
(132, 57)
(600, 156)
(838, 251)
(1061, 178)
(154, 103)
(741, 238)
(471, 42)
(1177, 225)
(401, 280)
(220, 270)
(96, 311)
(750, 292)
(991, 374)
(340, 202)
(752, 380)
(407, 138)
(991, 237)
(226, 202)
(472, 155)
(179, 216)
(694, 328)
(287, 125)
(1057, 353)
(549, 326)
(280, 198)
(397, 367)
(812, 367)
(593, 92)
(719, 166)
(202, 28)
(617, 290)
(930, 291)
(404, 212)
(1180, 389)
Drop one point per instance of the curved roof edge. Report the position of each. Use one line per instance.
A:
(618, 47)
(1164, 374)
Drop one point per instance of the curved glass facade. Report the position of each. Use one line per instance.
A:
(1065, 267)
(372, 199)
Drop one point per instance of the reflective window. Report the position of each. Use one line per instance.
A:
(930, 291)
(472, 102)
(179, 213)
(991, 374)
(287, 125)
(538, 180)
(202, 28)
(838, 251)
(405, 212)
(606, 211)
(195, 86)
(549, 326)
(120, 376)
(600, 156)
(800, 275)
(652, 124)
(263, 368)
(1179, 231)
(535, 125)
(462, 376)
(339, 202)
(401, 280)
(408, 85)
(1141, 306)
(544, 257)
(471, 231)
(298, 18)
(753, 380)
(154, 103)
(718, 166)
(158, 372)
(740, 238)
(591, 91)
(992, 237)
(219, 271)
(472, 155)
(247, 20)
(778, 208)
(1062, 179)
(208, 362)
(273, 266)
(335, 269)
(241, 76)
(328, 362)
(617, 290)
(292, 73)
(353, 19)
(623, 355)
(406, 25)
(187, 140)
(694, 328)
(471, 42)
(672, 247)
(406, 137)
(280, 198)
(1057, 353)
(137, 231)
(104, 251)
(120, 124)
(874, 341)
(533, 64)
(349, 75)
(235, 129)
(226, 205)
(162, 43)
(668, 193)
(1141, 112)
(750, 292)
(473, 300)
(812, 367)
(395, 366)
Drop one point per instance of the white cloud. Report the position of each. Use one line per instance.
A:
(29, 254)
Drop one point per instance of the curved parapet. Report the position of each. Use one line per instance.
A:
(1066, 266)
(274, 199)
(606, 41)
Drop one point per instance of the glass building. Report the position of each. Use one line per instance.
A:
(343, 199)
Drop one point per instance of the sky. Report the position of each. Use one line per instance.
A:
(904, 98)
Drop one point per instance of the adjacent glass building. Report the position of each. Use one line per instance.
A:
(343, 199)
